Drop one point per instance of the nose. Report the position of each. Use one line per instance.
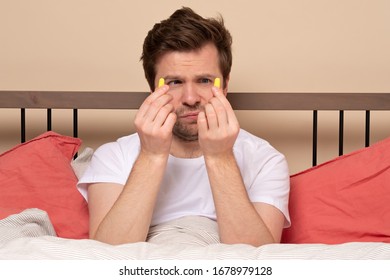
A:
(191, 94)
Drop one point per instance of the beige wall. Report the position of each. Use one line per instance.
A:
(279, 46)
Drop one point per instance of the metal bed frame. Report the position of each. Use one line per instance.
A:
(240, 101)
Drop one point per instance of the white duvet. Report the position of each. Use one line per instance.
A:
(30, 235)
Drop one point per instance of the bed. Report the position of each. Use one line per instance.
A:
(339, 208)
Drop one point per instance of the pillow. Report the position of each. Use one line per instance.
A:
(38, 174)
(82, 161)
(343, 200)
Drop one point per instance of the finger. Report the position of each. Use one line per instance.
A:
(151, 98)
(211, 117)
(157, 93)
(218, 93)
(220, 111)
(169, 122)
(151, 110)
(162, 115)
(202, 123)
(231, 116)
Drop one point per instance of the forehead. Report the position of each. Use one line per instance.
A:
(203, 60)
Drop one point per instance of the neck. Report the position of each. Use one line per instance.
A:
(185, 149)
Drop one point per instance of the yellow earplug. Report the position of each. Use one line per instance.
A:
(161, 82)
(217, 82)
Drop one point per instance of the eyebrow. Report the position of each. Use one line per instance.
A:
(179, 77)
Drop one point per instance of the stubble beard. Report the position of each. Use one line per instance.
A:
(186, 131)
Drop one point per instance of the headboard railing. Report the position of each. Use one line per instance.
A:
(240, 101)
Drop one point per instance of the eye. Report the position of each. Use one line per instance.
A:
(174, 82)
(205, 81)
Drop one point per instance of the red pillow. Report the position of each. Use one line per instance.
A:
(38, 174)
(344, 200)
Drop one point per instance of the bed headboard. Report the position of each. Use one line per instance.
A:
(240, 101)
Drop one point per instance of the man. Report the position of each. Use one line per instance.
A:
(189, 155)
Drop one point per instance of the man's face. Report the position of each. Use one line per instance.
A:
(190, 76)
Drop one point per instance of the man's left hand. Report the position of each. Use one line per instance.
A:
(218, 126)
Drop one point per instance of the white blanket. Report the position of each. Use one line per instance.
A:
(30, 235)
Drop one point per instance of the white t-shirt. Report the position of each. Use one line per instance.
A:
(185, 189)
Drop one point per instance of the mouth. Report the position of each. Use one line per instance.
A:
(190, 115)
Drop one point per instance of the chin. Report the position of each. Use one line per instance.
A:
(186, 138)
(186, 133)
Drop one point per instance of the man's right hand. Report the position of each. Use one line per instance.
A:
(154, 123)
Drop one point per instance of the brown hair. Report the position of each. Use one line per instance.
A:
(185, 30)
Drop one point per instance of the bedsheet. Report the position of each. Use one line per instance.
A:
(30, 235)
